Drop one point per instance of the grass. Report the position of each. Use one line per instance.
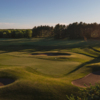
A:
(43, 77)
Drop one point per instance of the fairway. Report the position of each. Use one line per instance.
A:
(43, 68)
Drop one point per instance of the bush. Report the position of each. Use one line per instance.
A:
(91, 93)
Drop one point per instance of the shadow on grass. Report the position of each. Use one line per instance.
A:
(95, 60)
(86, 54)
(32, 45)
(94, 49)
(28, 90)
(95, 69)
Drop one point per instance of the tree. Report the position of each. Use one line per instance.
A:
(28, 34)
(59, 31)
(8, 32)
(1, 34)
(4, 35)
(42, 31)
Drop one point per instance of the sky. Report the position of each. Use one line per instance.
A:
(25, 14)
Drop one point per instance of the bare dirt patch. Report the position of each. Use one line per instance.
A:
(91, 78)
(52, 54)
(6, 81)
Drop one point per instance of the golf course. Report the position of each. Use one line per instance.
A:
(44, 68)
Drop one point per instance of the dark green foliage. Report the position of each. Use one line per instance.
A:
(4, 35)
(42, 31)
(59, 31)
(91, 93)
(72, 31)
(28, 34)
(15, 33)
(1, 34)
(8, 32)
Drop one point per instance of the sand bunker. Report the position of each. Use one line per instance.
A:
(91, 78)
(6, 81)
(51, 54)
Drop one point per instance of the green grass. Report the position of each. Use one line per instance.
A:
(43, 77)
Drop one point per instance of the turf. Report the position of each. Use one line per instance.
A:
(44, 77)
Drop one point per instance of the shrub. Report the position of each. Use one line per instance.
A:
(91, 93)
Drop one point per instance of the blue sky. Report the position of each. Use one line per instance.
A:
(30, 13)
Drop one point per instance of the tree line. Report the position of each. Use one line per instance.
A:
(15, 33)
(72, 31)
